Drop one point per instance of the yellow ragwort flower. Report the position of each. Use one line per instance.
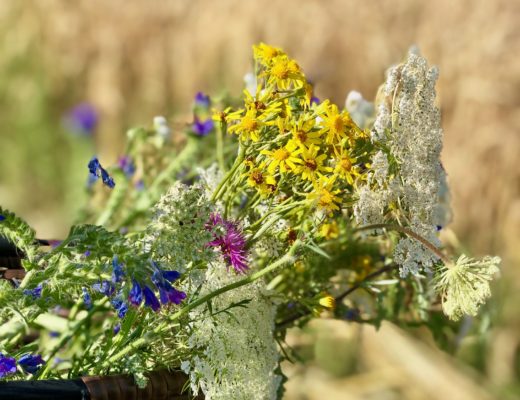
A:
(327, 301)
(266, 106)
(329, 230)
(335, 125)
(303, 134)
(324, 195)
(345, 166)
(312, 164)
(283, 72)
(265, 53)
(262, 181)
(248, 126)
(285, 158)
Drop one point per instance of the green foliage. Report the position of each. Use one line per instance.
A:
(19, 233)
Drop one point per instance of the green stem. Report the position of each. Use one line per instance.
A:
(114, 202)
(238, 162)
(76, 327)
(220, 146)
(204, 299)
(185, 155)
(429, 245)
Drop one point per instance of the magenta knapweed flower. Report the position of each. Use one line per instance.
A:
(228, 237)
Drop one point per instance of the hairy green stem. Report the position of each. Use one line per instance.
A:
(289, 320)
(221, 132)
(63, 341)
(429, 245)
(238, 162)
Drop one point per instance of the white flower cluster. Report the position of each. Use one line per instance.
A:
(359, 109)
(210, 177)
(408, 126)
(161, 127)
(237, 354)
(465, 285)
(178, 234)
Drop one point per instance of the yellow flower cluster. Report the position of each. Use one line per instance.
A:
(295, 146)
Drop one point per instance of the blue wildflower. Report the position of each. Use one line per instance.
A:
(122, 310)
(139, 185)
(2, 217)
(30, 364)
(202, 128)
(171, 276)
(7, 366)
(167, 293)
(105, 287)
(135, 296)
(127, 166)
(82, 119)
(86, 298)
(117, 270)
(202, 100)
(120, 306)
(97, 171)
(87, 253)
(116, 329)
(315, 100)
(352, 314)
(54, 334)
(150, 299)
(34, 293)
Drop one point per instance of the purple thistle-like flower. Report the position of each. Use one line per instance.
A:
(231, 242)
(127, 166)
(30, 363)
(82, 119)
(202, 128)
(202, 100)
(7, 366)
(96, 171)
(150, 299)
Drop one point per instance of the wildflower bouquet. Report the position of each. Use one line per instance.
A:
(278, 209)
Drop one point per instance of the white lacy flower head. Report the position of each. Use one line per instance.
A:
(408, 125)
(464, 286)
(178, 231)
(235, 354)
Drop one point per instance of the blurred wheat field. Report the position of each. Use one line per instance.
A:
(137, 59)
